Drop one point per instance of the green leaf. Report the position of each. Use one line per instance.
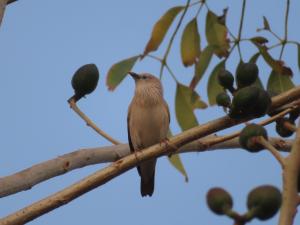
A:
(185, 102)
(160, 29)
(118, 71)
(213, 86)
(258, 82)
(298, 45)
(216, 35)
(266, 23)
(190, 43)
(177, 163)
(175, 160)
(276, 65)
(201, 65)
(278, 83)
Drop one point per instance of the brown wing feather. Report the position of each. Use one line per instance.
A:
(167, 108)
(129, 139)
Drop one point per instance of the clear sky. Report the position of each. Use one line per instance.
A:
(42, 43)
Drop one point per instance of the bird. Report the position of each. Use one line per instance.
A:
(147, 124)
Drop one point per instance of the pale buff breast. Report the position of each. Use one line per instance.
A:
(151, 125)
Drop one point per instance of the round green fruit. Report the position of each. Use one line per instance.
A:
(246, 97)
(264, 201)
(219, 200)
(263, 104)
(246, 74)
(226, 79)
(248, 134)
(85, 80)
(223, 99)
(281, 129)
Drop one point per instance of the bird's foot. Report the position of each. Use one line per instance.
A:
(167, 143)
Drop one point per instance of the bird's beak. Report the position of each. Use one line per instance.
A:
(135, 76)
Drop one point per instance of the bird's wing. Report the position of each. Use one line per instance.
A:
(128, 131)
(167, 109)
(129, 138)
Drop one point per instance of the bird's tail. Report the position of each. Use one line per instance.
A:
(147, 186)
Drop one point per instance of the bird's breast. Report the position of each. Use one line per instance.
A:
(148, 125)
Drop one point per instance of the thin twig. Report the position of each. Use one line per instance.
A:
(163, 64)
(275, 35)
(241, 28)
(171, 72)
(272, 149)
(290, 184)
(285, 28)
(286, 20)
(90, 123)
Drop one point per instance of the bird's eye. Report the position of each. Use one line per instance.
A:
(144, 77)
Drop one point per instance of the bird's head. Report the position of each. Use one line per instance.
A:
(146, 84)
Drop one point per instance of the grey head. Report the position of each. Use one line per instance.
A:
(147, 85)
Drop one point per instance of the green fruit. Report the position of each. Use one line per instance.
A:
(226, 79)
(294, 114)
(223, 99)
(219, 200)
(250, 101)
(263, 104)
(281, 129)
(246, 74)
(248, 133)
(85, 80)
(264, 201)
(246, 97)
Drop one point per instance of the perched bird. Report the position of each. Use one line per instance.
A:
(147, 123)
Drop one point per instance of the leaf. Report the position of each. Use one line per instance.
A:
(118, 71)
(186, 101)
(201, 65)
(276, 65)
(175, 160)
(298, 45)
(216, 35)
(260, 40)
(266, 23)
(257, 82)
(160, 29)
(190, 43)
(177, 163)
(213, 86)
(278, 83)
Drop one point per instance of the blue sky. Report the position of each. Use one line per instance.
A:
(43, 43)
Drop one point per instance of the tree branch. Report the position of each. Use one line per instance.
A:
(26, 179)
(128, 162)
(90, 123)
(290, 183)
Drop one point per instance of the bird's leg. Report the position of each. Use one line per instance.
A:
(166, 141)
